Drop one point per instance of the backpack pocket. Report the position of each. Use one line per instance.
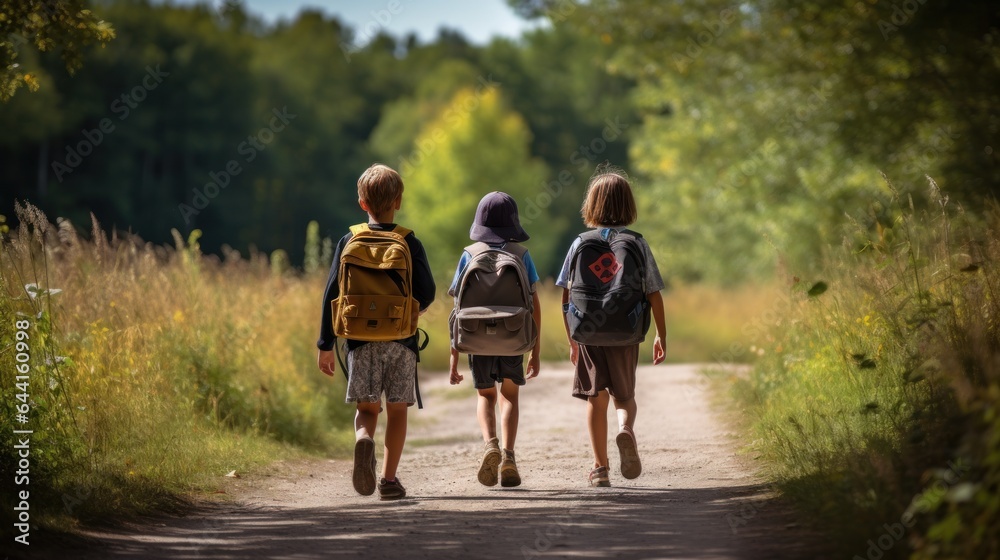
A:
(372, 317)
(607, 318)
(493, 330)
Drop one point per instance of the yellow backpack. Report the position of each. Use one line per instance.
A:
(376, 300)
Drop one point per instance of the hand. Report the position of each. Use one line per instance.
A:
(574, 351)
(455, 378)
(534, 365)
(658, 353)
(327, 361)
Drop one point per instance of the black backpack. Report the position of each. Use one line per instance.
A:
(607, 290)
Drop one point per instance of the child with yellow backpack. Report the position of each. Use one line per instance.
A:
(379, 283)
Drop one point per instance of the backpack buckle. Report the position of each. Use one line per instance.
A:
(491, 327)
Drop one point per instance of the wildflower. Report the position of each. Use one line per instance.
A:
(34, 291)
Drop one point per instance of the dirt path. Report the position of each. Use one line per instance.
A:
(691, 495)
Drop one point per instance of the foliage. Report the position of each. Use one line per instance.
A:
(474, 146)
(198, 147)
(67, 25)
(873, 405)
(136, 349)
(764, 122)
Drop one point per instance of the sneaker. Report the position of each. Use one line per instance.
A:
(599, 477)
(490, 462)
(509, 476)
(629, 453)
(391, 489)
(364, 466)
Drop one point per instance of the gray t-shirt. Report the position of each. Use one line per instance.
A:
(653, 280)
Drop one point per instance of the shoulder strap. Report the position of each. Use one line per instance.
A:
(477, 248)
(591, 235)
(634, 234)
(515, 249)
(363, 228)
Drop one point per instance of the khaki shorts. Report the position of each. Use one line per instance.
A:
(606, 367)
(379, 368)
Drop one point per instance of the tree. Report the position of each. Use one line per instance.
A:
(474, 146)
(765, 122)
(64, 24)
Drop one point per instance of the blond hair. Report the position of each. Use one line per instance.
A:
(379, 187)
(609, 201)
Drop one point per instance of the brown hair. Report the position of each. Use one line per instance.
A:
(379, 187)
(609, 201)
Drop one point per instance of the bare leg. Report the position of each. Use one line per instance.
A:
(626, 413)
(395, 437)
(366, 419)
(509, 412)
(486, 411)
(597, 421)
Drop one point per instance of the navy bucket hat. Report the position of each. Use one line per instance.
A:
(496, 220)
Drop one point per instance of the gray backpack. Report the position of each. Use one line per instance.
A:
(493, 303)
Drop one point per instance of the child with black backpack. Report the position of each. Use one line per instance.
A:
(496, 320)
(610, 285)
(379, 283)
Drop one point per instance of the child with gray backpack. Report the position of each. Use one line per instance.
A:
(496, 320)
(610, 285)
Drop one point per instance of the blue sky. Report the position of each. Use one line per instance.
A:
(478, 20)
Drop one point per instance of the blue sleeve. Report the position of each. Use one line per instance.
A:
(462, 263)
(530, 266)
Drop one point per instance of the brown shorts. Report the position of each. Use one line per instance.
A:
(606, 367)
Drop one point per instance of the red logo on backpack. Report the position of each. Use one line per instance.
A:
(605, 267)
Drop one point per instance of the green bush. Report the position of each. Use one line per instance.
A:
(875, 402)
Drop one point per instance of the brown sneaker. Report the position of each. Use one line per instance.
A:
(599, 477)
(509, 476)
(490, 462)
(391, 489)
(364, 466)
(629, 453)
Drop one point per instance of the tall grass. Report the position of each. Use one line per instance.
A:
(875, 404)
(154, 370)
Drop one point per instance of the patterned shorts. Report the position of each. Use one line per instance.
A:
(379, 368)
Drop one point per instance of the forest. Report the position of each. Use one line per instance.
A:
(817, 181)
(202, 117)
